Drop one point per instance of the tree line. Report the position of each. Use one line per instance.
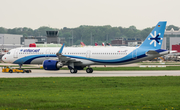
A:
(88, 34)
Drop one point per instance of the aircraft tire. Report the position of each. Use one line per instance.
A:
(89, 70)
(73, 70)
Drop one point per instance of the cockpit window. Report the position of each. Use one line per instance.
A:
(8, 52)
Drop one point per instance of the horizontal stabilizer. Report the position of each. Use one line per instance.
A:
(157, 52)
(152, 52)
(173, 51)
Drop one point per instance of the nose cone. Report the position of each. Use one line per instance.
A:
(4, 58)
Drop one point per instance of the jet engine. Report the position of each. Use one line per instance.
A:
(52, 65)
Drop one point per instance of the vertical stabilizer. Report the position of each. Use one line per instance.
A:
(155, 38)
(82, 44)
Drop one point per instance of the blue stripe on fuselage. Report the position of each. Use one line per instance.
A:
(121, 60)
(28, 59)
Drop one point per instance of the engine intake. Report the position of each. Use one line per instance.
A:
(52, 65)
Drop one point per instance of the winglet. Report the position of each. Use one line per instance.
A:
(61, 49)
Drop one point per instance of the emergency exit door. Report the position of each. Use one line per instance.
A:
(88, 54)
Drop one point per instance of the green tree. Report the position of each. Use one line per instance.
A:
(3, 30)
(172, 26)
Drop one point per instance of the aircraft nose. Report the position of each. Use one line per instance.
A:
(4, 58)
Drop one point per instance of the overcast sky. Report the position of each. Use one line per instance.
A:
(73, 13)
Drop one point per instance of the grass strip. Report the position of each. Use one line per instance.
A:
(159, 64)
(95, 93)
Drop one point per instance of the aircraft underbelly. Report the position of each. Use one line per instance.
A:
(38, 61)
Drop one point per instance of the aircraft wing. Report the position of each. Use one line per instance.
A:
(64, 59)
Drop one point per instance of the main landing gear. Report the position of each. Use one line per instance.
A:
(89, 70)
(74, 70)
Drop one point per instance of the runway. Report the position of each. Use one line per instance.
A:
(66, 73)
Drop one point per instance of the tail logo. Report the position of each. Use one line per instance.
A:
(155, 38)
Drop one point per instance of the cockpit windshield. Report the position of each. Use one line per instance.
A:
(9, 53)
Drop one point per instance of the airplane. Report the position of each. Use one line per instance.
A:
(77, 58)
(82, 44)
(96, 44)
(103, 44)
(107, 44)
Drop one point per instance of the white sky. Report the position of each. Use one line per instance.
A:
(73, 13)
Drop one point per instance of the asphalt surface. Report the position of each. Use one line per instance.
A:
(66, 73)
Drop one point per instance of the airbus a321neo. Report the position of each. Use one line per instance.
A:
(76, 58)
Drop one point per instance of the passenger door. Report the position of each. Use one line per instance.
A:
(15, 55)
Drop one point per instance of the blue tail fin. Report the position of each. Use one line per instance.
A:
(155, 38)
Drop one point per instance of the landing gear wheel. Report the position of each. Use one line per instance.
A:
(73, 70)
(89, 70)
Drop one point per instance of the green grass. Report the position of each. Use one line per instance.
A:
(135, 68)
(161, 64)
(95, 93)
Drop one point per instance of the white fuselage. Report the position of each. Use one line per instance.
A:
(38, 55)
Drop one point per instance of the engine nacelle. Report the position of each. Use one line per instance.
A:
(52, 65)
